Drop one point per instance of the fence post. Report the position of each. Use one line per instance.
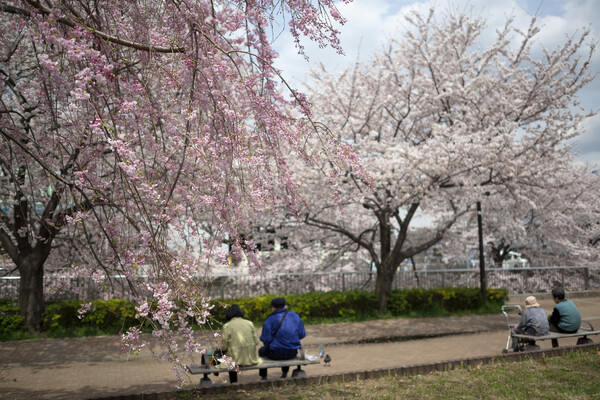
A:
(586, 278)
(562, 278)
(343, 282)
(526, 281)
(444, 279)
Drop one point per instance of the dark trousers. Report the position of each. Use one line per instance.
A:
(554, 328)
(274, 355)
(526, 331)
(233, 375)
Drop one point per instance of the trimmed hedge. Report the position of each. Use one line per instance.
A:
(360, 305)
(112, 316)
(104, 315)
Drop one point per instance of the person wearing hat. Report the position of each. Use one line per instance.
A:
(281, 334)
(534, 321)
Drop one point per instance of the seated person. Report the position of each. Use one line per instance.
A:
(239, 340)
(281, 334)
(565, 317)
(534, 321)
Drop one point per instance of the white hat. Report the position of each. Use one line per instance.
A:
(531, 302)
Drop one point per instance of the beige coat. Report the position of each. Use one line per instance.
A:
(239, 341)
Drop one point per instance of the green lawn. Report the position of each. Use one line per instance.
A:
(575, 376)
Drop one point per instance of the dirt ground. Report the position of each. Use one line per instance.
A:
(95, 367)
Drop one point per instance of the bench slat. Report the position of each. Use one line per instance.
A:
(267, 363)
(558, 335)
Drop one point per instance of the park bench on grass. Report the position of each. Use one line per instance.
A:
(206, 370)
(582, 334)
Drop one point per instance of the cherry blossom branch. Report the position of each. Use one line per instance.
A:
(312, 221)
(100, 34)
(49, 170)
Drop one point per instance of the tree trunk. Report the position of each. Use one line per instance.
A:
(383, 286)
(31, 291)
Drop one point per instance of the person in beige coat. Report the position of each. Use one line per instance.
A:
(239, 340)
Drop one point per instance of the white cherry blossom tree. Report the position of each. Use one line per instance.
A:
(554, 226)
(560, 229)
(439, 121)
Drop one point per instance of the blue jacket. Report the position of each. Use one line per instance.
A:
(289, 334)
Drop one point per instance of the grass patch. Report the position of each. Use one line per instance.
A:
(573, 376)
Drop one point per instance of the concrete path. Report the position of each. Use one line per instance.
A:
(84, 368)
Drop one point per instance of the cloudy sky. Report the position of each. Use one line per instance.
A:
(371, 22)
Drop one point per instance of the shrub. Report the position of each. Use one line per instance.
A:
(61, 318)
(110, 316)
(10, 320)
(359, 305)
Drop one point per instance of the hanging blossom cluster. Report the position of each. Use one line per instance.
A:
(84, 309)
(147, 134)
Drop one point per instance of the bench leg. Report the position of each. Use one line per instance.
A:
(554, 343)
(298, 372)
(233, 376)
(515, 344)
(531, 347)
(205, 381)
(584, 340)
(262, 372)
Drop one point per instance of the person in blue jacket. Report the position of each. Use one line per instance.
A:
(281, 334)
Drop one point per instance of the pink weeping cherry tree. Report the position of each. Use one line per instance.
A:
(145, 133)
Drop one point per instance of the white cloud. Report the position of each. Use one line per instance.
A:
(362, 33)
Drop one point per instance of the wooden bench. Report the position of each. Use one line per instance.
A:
(267, 363)
(582, 334)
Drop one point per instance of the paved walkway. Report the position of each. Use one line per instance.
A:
(95, 367)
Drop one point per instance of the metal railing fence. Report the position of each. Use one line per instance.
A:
(521, 280)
